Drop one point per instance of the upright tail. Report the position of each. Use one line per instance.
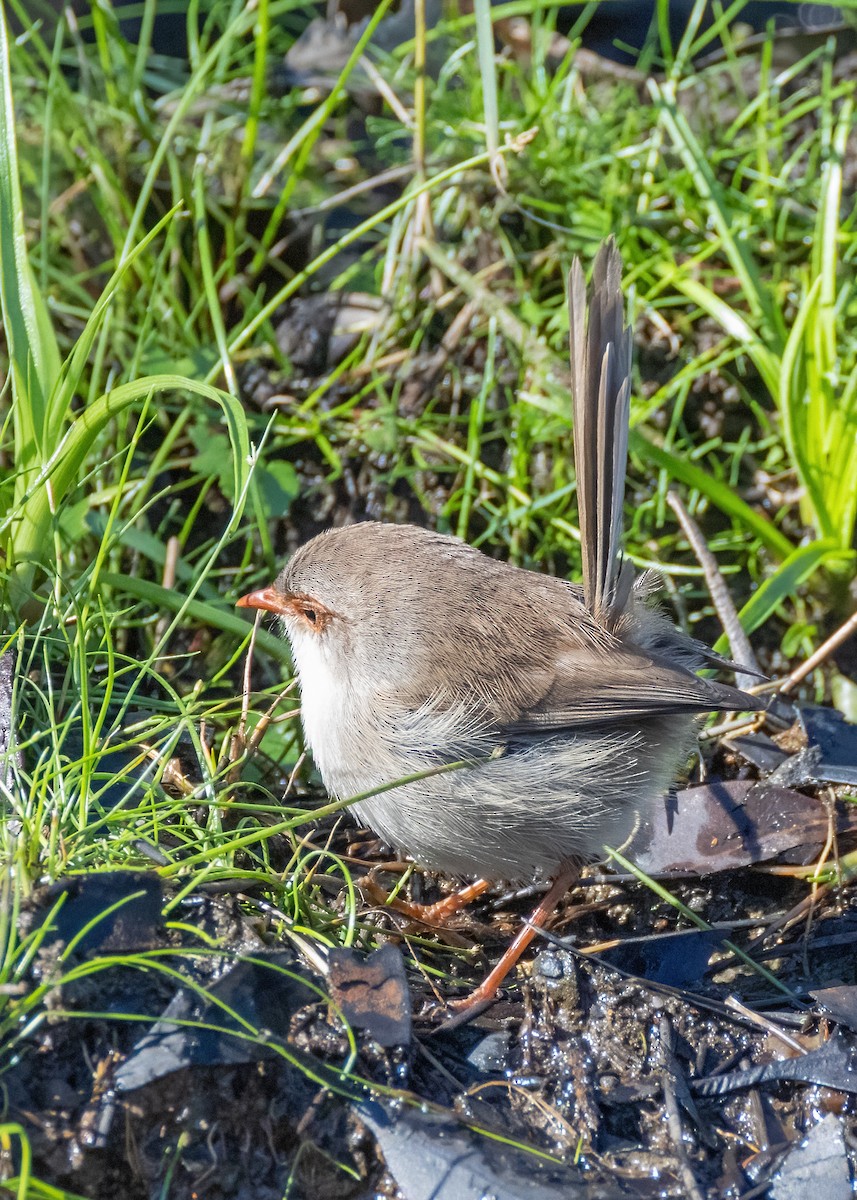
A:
(601, 395)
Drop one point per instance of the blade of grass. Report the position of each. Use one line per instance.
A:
(718, 493)
(488, 74)
(713, 197)
(31, 521)
(766, 361)
(800, 566)
(198, 610)
(33, 351)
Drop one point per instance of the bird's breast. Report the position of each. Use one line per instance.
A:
(340, 725)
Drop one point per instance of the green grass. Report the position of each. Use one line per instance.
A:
(138, 216)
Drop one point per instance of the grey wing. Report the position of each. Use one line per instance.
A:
(585, 692)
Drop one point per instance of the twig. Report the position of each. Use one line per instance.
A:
(739, 643)
(295, 770)
(247, 681)
(240, 743)
(339, 199)
(387, 93)
(842, 634)
(761, 1022)
(172, 553)
(670, 1068)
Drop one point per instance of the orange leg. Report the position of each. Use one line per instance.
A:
(429, 914)
(482, 996)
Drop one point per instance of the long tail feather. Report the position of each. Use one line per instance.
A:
(600, 346)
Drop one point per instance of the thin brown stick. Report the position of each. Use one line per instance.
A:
(739, 643)
(172, 553)
(842, 634)
(762, 1022)
(246, 681)
(670, 1069)
(393, 175)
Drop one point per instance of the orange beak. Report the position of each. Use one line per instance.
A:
(267, 598)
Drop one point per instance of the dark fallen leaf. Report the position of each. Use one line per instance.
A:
(720, 826)
(840, 1003)
(431, 1156)
(760, 750)
(318, 56)
(107, 911)
(833, 1066)
(836, 740)
(372, 993)
(817, 1166)
(781, 712)
(797, 770)
(490, 1055)
(252, 1002)
(672, 1076)
(675, 959)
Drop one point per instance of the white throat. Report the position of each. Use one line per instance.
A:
(328, 713)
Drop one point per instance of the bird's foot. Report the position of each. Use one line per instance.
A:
(427, 914)
(478, 1000)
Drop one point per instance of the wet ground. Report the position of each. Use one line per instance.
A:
(222, 1055)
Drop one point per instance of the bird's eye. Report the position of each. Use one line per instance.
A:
(315, 615)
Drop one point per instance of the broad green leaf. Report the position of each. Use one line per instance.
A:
(278, 484)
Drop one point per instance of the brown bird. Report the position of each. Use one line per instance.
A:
(575, 705)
